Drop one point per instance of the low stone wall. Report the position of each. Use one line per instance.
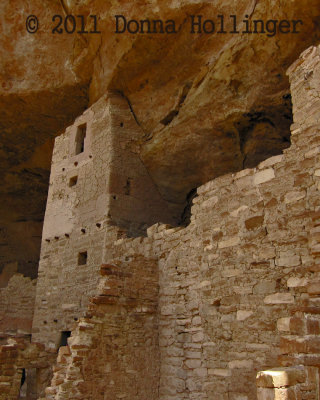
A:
(295, 383)
(300, 341)
(19, 355)
(231, 278)
(114, 350)
(238, 289)
(16, 306)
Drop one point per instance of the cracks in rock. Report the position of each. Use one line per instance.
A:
(173, 113)
(66, 12)
(96, 54)
(64, 7)
(99, 54)
(255, 2)
(138, 123)
(131, 109)
(169, 117)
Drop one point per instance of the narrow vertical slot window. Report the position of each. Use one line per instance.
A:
(80, 138)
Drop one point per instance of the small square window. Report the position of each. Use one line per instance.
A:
(82, 258)
(64, 338)
(73, 181)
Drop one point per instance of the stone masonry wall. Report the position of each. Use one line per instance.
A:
(300, 341)
(16, 306)
(115, 346)
(229, 281)
(104, 184)
(18, 355)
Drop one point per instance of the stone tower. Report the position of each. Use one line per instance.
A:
(97, 180)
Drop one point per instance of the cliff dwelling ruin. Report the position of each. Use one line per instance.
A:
(160, 214)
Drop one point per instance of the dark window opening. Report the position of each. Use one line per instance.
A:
(29, 382)
(64, 338)
(23, 385)
(73, 181)
(80, 138)
(23, 377)
(82, 258)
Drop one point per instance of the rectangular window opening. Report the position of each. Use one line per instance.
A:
(22, 382)
(80, 137)
(82, 258)
(29, 384)
(64, 338)
(73, 181)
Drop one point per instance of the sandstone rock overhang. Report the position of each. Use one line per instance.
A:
(206, 104)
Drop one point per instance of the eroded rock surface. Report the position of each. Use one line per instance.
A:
(208, 104)
(39, 95)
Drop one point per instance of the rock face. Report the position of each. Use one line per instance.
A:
(39, 95)
(206, 101)
(207, 104)
(184, 312)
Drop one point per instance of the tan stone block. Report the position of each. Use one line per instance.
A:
(317, 172)
(193, 363)
(193, 354)
(269, 162)
(264, 287)
(296, 282)
(228, 273)
(283, 324)
(198, 337)
(277, 394)
(219, 372)
(263, 176)
(233, 241)
(308, 344)
(242, 173)
(246, 364)
(267, 252)
(196, 320)
(288, 261)
(313, 152)
(314, 288)
(242, 289)
(279, 298)
(281, 377)
(239, 210)
(294, 196)
(243, 315)
(68, 306)
(210, 203)
(244, 183)
(201, 372)
(168, 309)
